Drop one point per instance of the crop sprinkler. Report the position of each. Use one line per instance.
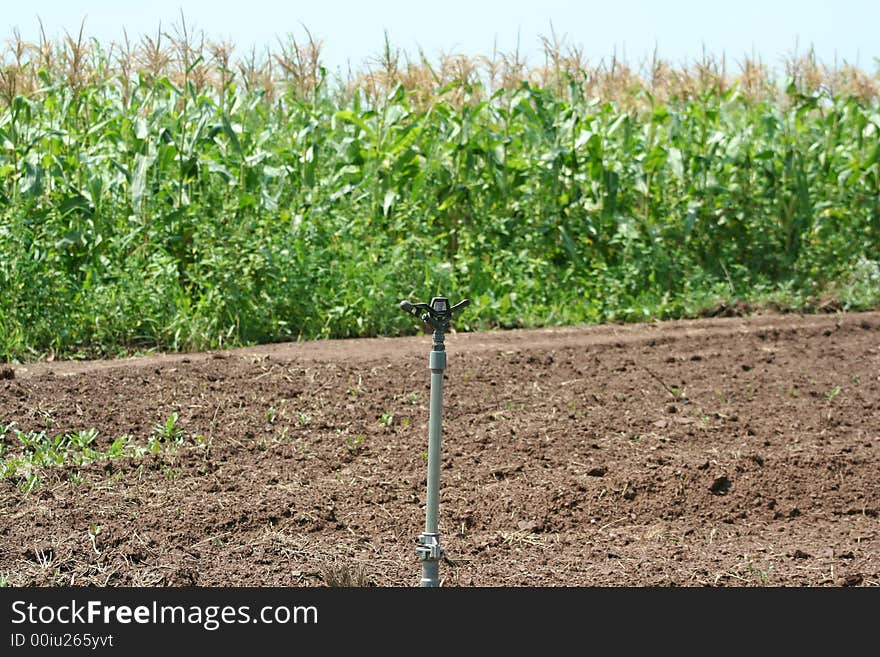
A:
(437, 315)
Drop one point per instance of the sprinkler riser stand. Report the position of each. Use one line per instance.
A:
(434, 443)
(430, 574)
(438, 315)
(429, 550)
(430, 553)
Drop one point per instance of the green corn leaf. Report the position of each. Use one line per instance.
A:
(390, 199)
(230, 133)
(354, 119)
(138, 183)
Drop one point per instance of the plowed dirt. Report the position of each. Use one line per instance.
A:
(737, 451)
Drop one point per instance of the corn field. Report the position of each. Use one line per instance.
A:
(169, 194)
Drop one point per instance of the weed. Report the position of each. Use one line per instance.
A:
(169, 431)
(353, 444)
(93, 532)
(39, 450)
(28, 481)
(678, 393)
(763, 576)
(833, 393)
(119, 447)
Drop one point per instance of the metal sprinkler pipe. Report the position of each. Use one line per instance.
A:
(437, 315)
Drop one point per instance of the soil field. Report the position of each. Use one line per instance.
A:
(735, 451)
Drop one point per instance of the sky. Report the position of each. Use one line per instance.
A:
(353, 32)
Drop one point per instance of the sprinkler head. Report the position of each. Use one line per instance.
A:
(437, 314)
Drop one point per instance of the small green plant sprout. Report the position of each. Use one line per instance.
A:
(833, 393)
(38, 450)
(29, 480)
(387, 419)
(304, 419)
(762, 576)
(271, 413)
(79, 446)
(353, 444)
(677, 393)
(82, 439)
(32, 443)
(169, 432)
(118, 447)
(94, 530)
(414, 398)
(4, 581)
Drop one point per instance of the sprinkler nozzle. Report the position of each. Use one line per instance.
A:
(438, 314)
